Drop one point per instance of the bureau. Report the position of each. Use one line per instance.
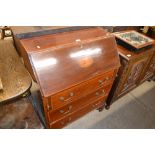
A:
(75, 71)
(136, 68)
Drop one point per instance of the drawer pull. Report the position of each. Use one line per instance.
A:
(100, 81)
(97, 94)
(102, 93)
(71, 94)
(63, 99)
(68, 111)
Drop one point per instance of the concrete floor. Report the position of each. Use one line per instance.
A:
(136, 110)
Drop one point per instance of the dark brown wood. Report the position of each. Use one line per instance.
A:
(70, 67)
(23, 32)
(136, 67)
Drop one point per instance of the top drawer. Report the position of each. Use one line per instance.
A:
(74, 93)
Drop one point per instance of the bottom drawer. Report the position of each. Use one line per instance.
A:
(73, 116)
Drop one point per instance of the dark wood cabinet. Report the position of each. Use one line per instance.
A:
(136, 67)
(75, 71)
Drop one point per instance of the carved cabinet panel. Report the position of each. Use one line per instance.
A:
(150, 70)
(134, 75)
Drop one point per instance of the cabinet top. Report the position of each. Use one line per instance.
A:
(129, 54)
(64, 60)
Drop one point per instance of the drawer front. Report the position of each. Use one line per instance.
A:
(81, 90)
(74, 116)
(55, 115)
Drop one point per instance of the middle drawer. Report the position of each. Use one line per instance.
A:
(57, 114)
(67, 96)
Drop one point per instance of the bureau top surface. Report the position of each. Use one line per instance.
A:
(67, 59)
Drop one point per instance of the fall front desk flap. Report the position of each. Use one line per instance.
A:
(67, 59)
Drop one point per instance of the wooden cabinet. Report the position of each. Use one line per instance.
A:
(75, 71)
(136, 67)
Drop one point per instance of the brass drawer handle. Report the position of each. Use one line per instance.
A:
(62, 98)
(100, 81)
(71, 94)
(97, 93)
(102, 93)
(68, 111)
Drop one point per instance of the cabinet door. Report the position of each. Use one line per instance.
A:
(134, 74)
(150, 70)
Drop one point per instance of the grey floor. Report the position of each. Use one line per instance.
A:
(136, 110)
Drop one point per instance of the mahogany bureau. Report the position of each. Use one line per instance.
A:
(75, 71)
(136, 68)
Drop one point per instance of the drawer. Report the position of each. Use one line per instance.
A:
(74, 116)
(55, 115)
(67, 96)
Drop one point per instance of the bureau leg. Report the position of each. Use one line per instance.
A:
(107, 107)
(100, 109)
